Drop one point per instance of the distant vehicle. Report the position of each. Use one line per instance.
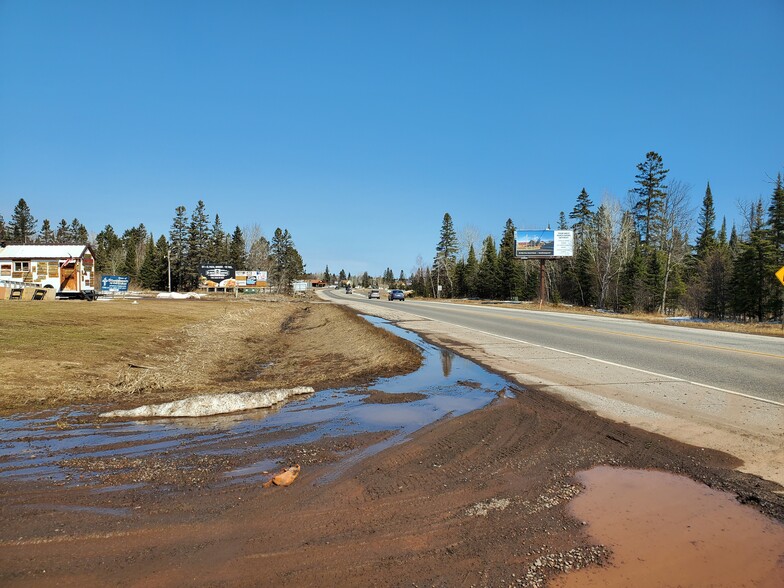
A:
(396, 295)
(374, 293)
(348, 290)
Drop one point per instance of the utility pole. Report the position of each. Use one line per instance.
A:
(168, 257)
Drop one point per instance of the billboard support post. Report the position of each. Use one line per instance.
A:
(541, 282)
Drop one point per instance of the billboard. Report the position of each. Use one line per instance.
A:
(220, 276)
(251, 279)
(544, 244)
(115, 283)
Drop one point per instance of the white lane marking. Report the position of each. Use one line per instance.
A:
(604, 361)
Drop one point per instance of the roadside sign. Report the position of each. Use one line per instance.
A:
(115, 283)
(780, 275)
(544, 244)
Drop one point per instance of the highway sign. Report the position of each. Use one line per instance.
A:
(780, 275)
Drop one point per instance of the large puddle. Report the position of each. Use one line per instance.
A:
(38, 446)
(667, 530)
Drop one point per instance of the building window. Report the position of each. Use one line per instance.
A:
(22, 266)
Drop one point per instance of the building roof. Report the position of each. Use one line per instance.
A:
(43, 251)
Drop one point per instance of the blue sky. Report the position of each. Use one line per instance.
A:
(357, 125)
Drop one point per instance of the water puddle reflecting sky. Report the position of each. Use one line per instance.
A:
(32, 445)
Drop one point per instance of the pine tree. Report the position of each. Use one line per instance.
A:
(46, 235)
(63, 234)
(581, 215)
(198, 245)
(511, 282)
(178, 236)
(108, 249)
(162, 264)
(327, 276)
(706, 240)
(218, 251)
(776, 236)
(753, 275)
(287, 263)
(237, 256)
(471, 272)
(562, 224)
(3, 229)
(22, 225)
(148, 275)
(488, 281)
(650, 192)
(446, 256)
(78, 232)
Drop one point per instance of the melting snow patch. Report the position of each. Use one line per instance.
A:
(211, 404)
(480, 509)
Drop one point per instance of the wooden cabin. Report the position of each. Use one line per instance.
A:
(68, 269)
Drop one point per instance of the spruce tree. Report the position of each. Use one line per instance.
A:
(327, 276)
(511, 282)
(706, 239)
(22, 225)
(148, 275)
(78, 232)
(178, 236)
(198, 245)
(488, 281)
(471, 272)
(218, 251)
(3, 229)
(46, 236)
(238, 257)
(776, 236)
(581, 215)
(162, 264)
(650, 193)
(446, 256)
(63, 234)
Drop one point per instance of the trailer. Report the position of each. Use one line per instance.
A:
(68, 269)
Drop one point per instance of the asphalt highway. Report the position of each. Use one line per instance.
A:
(732, 363)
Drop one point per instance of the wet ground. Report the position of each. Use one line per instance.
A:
(70, 445)
(405, 481)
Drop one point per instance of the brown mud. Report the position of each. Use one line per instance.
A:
(476, 500)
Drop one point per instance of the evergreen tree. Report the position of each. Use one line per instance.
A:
(753, 275)
(706, 239)
(776, 236)
(178, 236)
(63, 234)
(401, 281)
(446, 256)
(218, 250)
(108, 251)
(722, 239)
(198, 245)
(237, 256)
(581, 215)
(509, 269)
(342, 276)
(287, 263)
(488, 281)
(562, 224)
(650, 192)
(148, 275)
(162, 264)
(46, 236)
(3, 229)
(633, 290)
(78, 232)
(327, 276)
(22, 225)
(471, 272)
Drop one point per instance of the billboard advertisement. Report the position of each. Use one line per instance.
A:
(115, 283)
(251, 279)
(217, 276)
(544, 244)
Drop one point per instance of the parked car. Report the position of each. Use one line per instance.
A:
(396, 295)
(374, 293)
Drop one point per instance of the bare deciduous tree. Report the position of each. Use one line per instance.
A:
(609, 242)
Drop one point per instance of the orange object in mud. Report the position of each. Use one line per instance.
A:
(284, 478)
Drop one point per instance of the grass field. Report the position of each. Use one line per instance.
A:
(118, 352)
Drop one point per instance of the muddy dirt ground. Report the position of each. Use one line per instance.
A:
(478, 500)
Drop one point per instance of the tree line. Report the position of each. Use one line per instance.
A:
(156, 264)
(633, 258)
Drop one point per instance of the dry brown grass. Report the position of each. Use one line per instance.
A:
(74, 352)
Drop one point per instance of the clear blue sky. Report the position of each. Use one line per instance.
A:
(356, 125)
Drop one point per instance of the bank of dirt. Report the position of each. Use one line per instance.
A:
(478, 500)
(127, 353)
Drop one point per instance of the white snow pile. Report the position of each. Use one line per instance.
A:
(211, 404)
(180, 295)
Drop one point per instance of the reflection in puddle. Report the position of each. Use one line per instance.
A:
(667, 530)
(33, 446)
